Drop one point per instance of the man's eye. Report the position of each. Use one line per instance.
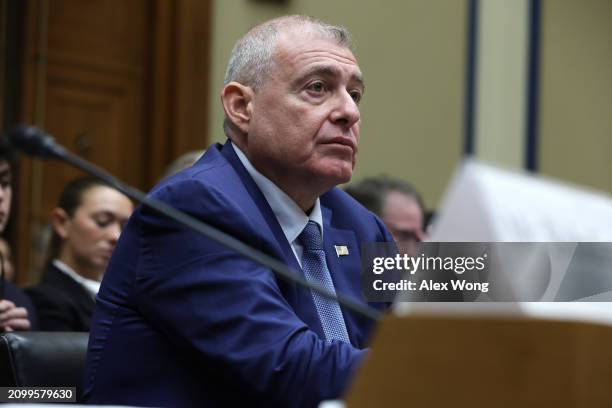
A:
(356, 95)
(316, 86)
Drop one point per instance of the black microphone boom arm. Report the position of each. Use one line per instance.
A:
(36, 143)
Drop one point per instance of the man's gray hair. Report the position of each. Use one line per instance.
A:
(251, 60)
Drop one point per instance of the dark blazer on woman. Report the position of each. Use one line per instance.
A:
(20, 299)
(62, 304)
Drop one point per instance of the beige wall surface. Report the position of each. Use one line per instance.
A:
(576, 98)
(501, 90)
(412, 53)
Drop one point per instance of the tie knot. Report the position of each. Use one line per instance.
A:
(310, 238)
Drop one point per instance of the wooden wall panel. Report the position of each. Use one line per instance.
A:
(104, 31)
(3, 55)
(83, 120)
(99, 116)
(179, 91)
(121, 83)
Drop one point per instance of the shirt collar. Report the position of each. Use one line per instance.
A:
(289, 215)
(91, 286)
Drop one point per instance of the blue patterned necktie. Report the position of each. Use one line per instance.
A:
(315, 270)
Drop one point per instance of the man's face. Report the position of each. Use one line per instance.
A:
(304, 126)
(403, 217)
(6, 193)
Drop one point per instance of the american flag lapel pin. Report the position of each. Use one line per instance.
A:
(341, 250)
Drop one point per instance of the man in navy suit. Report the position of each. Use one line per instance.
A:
(182, 321)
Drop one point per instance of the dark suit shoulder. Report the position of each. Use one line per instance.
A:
(338, 199)
(55, 280)
(211, 192)
(21, 299)
(348, 213)
(61, 303)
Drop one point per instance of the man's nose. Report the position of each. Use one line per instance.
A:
(346, 112)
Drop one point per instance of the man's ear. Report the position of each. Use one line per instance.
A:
(237, 102)
(59, 221)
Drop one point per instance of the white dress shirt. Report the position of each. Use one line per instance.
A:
(289, 215)
(91, 286)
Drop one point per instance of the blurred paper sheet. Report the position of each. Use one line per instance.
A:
(592, 312)
(488, 204)
(484, 203)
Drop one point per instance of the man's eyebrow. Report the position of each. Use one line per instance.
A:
(5, 173)
(330, 71)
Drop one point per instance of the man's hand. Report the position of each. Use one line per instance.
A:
(12, 317)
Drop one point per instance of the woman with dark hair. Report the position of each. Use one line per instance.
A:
(86, 226)
(16, 309)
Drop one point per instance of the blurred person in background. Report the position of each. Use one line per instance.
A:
(86, 226)
(398, 204)
(7, 260)
(182, 162)
(16, 310)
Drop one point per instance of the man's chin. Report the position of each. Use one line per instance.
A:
(345, 172)
(337, 175)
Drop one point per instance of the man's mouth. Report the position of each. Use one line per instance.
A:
(343, 141)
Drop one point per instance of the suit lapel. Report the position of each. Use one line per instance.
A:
(79, 295)
(271, 224)
(300, 299)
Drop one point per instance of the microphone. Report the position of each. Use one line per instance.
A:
(34, 142)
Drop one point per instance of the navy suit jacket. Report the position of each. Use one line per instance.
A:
(181, 321)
